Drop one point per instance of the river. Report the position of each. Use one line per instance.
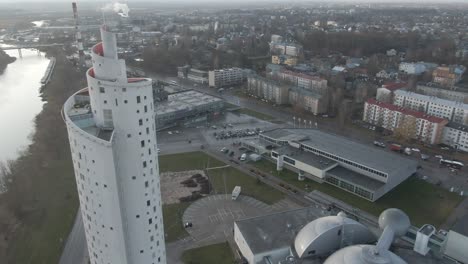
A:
(20, 101)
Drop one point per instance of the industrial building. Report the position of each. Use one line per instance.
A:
(187, 107)
(415, 124)
(112, 134)
(226, 77)
(362, 170)
(311, 236)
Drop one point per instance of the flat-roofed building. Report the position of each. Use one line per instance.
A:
(226, 77)
(363, 170)
(448, 76)
(457, 94)
(187, 107)
(198, 76)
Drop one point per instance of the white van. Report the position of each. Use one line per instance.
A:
(243, 157)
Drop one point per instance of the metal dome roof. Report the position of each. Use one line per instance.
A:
(313, 230)
(363, 254)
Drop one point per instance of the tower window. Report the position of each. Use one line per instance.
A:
(138, 99)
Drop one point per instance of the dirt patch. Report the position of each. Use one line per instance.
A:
(183, 186)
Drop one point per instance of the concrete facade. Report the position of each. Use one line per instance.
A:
(426, 128)
(112, 134)
(225, 77)
(268, 89)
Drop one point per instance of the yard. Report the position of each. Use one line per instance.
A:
(224, 180)
(422, 201)
(212, 254)
(172, 217)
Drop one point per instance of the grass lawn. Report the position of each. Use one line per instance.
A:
(255, 114)
(173, 226)
(224, 180)
(422, 201)
(212, 254)
(198, 160)
(187, 161)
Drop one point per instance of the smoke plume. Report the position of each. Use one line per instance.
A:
(119, 8)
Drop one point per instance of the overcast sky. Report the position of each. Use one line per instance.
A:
(193, 1)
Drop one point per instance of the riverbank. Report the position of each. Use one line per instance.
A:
(38, 210)
(5, 59)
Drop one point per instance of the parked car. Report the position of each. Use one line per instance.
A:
(379, 144)
(439, 156)
(243, 157)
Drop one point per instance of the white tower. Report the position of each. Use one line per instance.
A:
(112, 133)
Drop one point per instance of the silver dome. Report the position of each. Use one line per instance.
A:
(363, 254)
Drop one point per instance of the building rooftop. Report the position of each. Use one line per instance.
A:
(312, 159)
(406, 111)
(367, 155)
(185, 100)
(269, 232)
(355, 178)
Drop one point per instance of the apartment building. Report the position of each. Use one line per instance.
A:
(448, 76)
(305, 81)
(226, 77)
(456, 136)
(453, 111)
(284, 59)
(417, 124)
(416, 67)
(433, 89)
(268, 89)
(308, 100)
(198, 76)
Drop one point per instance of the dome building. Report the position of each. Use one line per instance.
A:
(112, 134)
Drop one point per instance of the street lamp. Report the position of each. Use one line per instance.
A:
(299, 122)
(294, 121)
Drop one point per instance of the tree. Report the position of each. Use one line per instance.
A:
(407, 128)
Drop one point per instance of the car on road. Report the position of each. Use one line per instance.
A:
(169, 132)
(223, 149)
(416, 150)
(424, 156)
(439, 156)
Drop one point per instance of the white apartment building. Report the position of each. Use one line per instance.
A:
(453, 111)
(112, 134)
(197, 76)
(416, 67)
(225, 77)
(456, 135)
(427, 128)
(434, 89)
(305, 81)
(268, 89)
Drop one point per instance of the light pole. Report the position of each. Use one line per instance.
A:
(294, 121)
(305, 123)
(299, 123)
